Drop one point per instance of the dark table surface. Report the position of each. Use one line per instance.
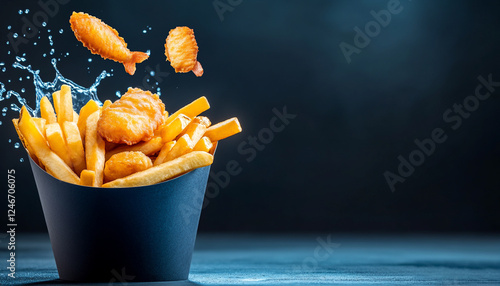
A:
(228, 259)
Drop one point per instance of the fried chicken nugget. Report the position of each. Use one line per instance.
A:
(125, 163)
(132, 118)
(103, 40)
(181, 50)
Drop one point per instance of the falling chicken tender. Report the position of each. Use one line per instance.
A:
(132, 118)
(103, 40)
(181, 50)
(125, 163)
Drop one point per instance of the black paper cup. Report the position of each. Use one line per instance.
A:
(122, 234)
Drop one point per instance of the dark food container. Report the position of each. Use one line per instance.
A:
(122, 234)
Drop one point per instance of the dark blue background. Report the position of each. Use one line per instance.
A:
(324, 171)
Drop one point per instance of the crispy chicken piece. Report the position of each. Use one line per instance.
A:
(181, 50)
(132, 118)
(103, 40)
(125, 163)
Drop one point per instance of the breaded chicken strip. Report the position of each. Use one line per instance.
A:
(181, 50)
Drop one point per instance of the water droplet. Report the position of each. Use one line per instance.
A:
(52, 51)
(61, 31)
(67, 54)
(4, 109)
(1, 123)
(159, 93)
(17, 145)
(23, 90)
(20, 12)
(48, 30)
(90, 60)
(10, 140)
(144, 31)
(15, 35)
(35, 43)
(148, 52)
(27, 11)
(149, 28)
(50, 41)
(9, 27)
(20, 59)
(44, 24)
(28, 77)
(3, 70)
(8, 53)
(147, 79)
(44, 55)
(118, 94)
(21, 160)
(152, 73)
(20, 79)
(8, 42)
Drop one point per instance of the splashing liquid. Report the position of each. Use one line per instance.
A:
(80, 94)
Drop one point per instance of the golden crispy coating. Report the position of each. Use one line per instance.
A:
(125, 163)
(181, 50)
(132, 118)
(103, 40)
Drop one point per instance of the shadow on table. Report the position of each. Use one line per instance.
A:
(160, 283)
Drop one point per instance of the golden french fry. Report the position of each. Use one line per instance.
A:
(223, 129)
(28, 147)
(165, 171)
(90, 107)
(196, 128)
(181, 147)
(95, 148)
(53, 163)
(40, 124)
(65, 109)
(106, 104)
(191, 110)
(203, 145)
(174, 128)
(75, 145)
(57, 143)
(76, 116)
(87, 178)
(56, 98)
(160, 128)
(163, 153)
(47, 111)
(147, 147)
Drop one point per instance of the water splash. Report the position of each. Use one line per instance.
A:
(80, 94)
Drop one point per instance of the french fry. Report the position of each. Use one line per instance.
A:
(57, 143)
(191, 110)
(25, 143)
(65, 108)
(87, 178)
(90, 107)
(47, 111)
(106, 104)
(165, 171)
(95, 149)
(163, 153)
(40, 124)
(75, 145)
(174, 128)
(203, 145)
(53, 163)
(189, 138)
(147, 147)
(56, 98)
(75, 116)
(223, 129)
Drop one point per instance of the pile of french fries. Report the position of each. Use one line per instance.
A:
(67, 145)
